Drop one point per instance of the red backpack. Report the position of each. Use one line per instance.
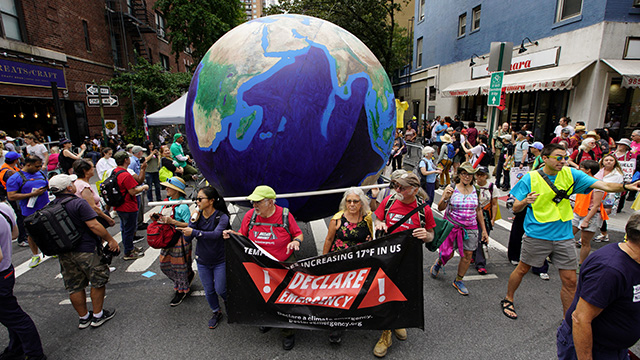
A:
(161, 236)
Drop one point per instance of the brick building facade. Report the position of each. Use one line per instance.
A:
(87, 42)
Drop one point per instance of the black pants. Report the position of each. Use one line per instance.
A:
(22, 233)
(23, 335)
(515, 242)
(396, 162)
(500, 171)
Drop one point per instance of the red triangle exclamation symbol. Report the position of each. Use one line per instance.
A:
(265, 279)
(382, 290)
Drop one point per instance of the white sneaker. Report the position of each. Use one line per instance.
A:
(601, 238)
(112, 269)
(544, 276)
(35, 261)
(514, 263)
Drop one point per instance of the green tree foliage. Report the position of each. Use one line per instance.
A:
(371, 21)
(153, 89)
(198, 23)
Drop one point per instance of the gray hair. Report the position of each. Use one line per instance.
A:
(364, 201)
(633, 228)
(586, 141)
(428, 150)
(635, 132)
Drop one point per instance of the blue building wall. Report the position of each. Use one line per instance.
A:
(502, 20)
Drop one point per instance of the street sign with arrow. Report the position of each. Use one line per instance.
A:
(92, 90)
(110, 101)
(495, 88)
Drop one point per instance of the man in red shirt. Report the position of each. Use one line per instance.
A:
(128, 211)
(402, 202)
(274, 229)
(564, 136)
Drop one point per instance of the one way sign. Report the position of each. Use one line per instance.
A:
(110, 101)
(92, 89)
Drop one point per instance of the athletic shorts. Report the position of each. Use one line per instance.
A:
(594, 224)
(79, 268)
(562, 252)
(471, 242)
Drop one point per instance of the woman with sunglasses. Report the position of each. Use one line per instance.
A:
(350, 226)
(610, 171)
(175, 261)
(207, 227)
(464, 212)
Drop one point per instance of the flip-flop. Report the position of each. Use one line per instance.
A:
(508, 305)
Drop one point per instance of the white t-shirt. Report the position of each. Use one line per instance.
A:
(38, 150)
(475, 153)
(486, 195)
(105, 165)
(559, 128)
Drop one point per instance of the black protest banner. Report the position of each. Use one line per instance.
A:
(375, 285)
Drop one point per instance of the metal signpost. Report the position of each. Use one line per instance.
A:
(499, 63)
(495, 88)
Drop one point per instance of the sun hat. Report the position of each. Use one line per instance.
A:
(175, 183)
(12, 156)
(446, 138)
(467, 167)
(624, 141)
(408, 179)
(580, 128)
(262, 192)
(60, 182)
(593, 134)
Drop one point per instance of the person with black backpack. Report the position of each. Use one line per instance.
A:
(480, 152)
(207, 227)
(83, 264)
(29, 188)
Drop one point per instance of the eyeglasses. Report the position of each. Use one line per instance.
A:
(353, 201)
(256, 202)
(465, 174)
(560, 158)
(200, 199)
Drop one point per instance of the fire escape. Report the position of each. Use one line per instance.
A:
(129, 19)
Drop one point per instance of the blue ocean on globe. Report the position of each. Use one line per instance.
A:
(293, 102)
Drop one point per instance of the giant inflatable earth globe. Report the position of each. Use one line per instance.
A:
(293, 102)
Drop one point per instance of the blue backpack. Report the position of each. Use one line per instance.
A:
(451, 151)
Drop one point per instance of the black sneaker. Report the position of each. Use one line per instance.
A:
(137, 238)
(177, 299)
(85, 323)
(12, 355)
(288, 342)
(335, 337)
(142, 226)
(106, 316)
(215, 320)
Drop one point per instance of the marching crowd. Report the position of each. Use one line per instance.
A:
(573, 185)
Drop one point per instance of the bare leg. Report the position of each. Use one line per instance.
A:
(97, 298)
(568, 290)
(585, 250)
(79, 302)
(33, 246)
(516, 278)
(463, 265)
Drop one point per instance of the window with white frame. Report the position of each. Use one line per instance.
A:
(462, 24)
(422, 6)
(419, 53)
(160, 24)
(475, 23)
(568, 9)
(10, 21)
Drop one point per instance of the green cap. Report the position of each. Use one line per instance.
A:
(120, 156)
(176, 137)
(262, 192)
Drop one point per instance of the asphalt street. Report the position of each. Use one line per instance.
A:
(456, 327)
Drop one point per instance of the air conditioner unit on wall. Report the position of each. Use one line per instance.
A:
(636, 3)
(161, 33)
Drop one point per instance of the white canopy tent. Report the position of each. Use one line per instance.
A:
(171, 114)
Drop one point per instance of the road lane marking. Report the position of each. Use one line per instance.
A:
(143, 263)
(480, 277)
(504, 224)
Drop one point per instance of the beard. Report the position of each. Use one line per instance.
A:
(399, 196)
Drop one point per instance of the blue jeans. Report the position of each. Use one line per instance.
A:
(128, 225)
(430, 188)
(567, 350)
(214, 282)
(153, 178)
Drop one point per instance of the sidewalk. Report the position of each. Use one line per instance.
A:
(616, 222)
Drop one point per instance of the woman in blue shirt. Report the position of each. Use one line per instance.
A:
(429, 173)
(207, 227)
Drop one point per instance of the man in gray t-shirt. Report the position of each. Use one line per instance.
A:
(521, 149)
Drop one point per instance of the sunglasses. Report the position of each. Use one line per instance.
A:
(256, 202)
(353, 201)
(559, 158)
(200, 199)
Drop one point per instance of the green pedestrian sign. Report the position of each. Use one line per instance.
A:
(495, 88)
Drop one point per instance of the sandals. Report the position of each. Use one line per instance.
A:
(508, 305)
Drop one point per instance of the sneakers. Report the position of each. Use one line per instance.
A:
(177, 299)
(12, 355)
(380, 350)
(134, 254)
(579, 244)
(288, 342)
(335, 337)
(24, 243)
(601, 238)
(435, 270)
(35, 261)
(215, 320)
(137, 238)
(514, 263)
(401, 334)
(462, 289)
(482, 271)
(85, 323)
(106, 316)
(544, 276)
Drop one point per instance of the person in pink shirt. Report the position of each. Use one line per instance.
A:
(85, 170)
(53, 158)
(635, 144)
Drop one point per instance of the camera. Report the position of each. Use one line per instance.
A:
(107, 255)
(560, 195)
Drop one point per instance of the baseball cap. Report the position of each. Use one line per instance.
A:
(408, 179)
(136, 149)
(120, 155)
(538, 145)
(64, 141)
(12, 156)
(483, 169)
(9, 138)
(177, 136)
(129, 147)
(60, 182)
(506, 137)
(262, 192)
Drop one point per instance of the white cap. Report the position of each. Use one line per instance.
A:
(60, 182)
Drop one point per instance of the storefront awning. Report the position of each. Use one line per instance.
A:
(629, 69)
(465, 88)
(556, 78)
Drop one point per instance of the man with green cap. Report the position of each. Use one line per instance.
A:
(275, 230)
(181, 159)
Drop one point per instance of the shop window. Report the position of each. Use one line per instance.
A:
(568, 9)
(85, 28)
(164, 62)
(537, 111)
(421, 11)
(419, 53)
(462, 24)
(475, 23)
(473, 108)
(432, 93)
(10, 20)
(623, 110)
